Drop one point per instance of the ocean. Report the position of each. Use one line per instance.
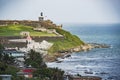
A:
(102, 62)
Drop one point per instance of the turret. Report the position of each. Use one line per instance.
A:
(41, 18)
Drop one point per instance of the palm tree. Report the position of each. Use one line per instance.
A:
(35, 60)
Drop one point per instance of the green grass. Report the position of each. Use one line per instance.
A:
(69, 42)
(14, 30)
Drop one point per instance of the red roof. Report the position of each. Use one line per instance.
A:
(29, 38)
(28, 70)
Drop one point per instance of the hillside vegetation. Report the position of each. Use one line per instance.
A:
(70, 41)
(14, 30)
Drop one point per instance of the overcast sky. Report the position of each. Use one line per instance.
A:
(62, 11)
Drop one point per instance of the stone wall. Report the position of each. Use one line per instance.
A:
(5, 40)
(23, 22)
(37, 39)
(45, 23)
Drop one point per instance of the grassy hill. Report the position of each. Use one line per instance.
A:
(14, 30)
(69, 42)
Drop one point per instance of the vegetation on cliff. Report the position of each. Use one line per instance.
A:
(14, 30)
(69, 42)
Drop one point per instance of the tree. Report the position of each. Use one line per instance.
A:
(1, 51)
(8, 69)
(6, 64)
(3, 67)
(35, 60)
(1, 47)
(42, 72)
(6, 58)
(51, 73)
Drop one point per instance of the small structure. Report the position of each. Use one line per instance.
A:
(41, 18)
(51, 31)
(5, 77)
(41, 29)
(14, 53)
(60, 26)
(29, 39)
(44, 45)
(26, 72)
(24, 33)
(15, 23)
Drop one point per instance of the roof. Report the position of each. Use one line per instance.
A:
(29, 38)
(28, 70)
(5, 75)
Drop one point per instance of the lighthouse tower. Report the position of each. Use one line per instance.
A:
(41, 18)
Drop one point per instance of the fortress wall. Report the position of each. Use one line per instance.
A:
(39, 39)
(45, 23)
(5, 40)
(23, 22)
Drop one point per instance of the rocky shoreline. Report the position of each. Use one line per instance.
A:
(67, 53)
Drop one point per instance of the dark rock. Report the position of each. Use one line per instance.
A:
(58, 61)
(68, 55)
(88, 72)
(70, 77)
(103, 73)
(97, 45)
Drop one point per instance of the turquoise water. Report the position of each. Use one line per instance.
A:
(104, 62)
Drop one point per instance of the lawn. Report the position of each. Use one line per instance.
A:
(14, 30)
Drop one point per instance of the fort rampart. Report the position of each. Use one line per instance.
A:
(5, 40)
(44, 23)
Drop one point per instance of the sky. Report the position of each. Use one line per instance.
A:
(62, 11)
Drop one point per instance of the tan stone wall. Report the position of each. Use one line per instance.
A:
(45, 23)
(23, 22)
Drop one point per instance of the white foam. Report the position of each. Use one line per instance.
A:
(85, 66)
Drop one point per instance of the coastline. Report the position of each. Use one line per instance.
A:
(67, 53)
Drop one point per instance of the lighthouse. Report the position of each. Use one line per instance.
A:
(41, 18)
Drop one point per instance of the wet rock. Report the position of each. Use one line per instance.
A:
(96, 45)
(113, 78)
(103, 73)
(71, 77)
(88, 72)
(58, 61)
(66, 56)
